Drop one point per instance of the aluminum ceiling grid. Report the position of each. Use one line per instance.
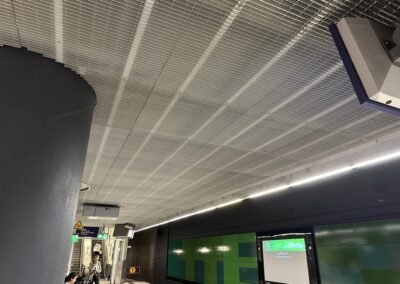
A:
(214, 92)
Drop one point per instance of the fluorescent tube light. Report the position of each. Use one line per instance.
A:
(102, 218)
(378, 160)
(230, 203)
(321, 176)
(269, 191)
(272, 190)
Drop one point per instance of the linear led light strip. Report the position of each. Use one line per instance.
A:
(284, 187)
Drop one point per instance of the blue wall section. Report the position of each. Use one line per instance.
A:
(220, 272)
(199, 271)
(248, 275)
(247, 250)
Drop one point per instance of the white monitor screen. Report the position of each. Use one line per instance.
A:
(285, 261)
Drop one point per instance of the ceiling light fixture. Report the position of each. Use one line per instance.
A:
(102, 218)
(204, 250)
(269, 191)
(321, 176)
(223, 248)
(378, 160)
(311, 179)
(230, 203)
(178, 251)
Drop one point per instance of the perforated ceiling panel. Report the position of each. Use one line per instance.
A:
(199, 98)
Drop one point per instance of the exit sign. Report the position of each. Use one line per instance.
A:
(75, 238)
(102, 236)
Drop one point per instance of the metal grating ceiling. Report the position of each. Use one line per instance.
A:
(198, 98)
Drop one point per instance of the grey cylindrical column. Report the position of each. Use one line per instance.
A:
(45, 117)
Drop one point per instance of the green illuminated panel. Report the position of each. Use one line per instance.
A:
(284, 245)
(214, 260)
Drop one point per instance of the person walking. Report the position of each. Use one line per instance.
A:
(95, 269)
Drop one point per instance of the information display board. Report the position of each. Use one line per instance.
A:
(287, 257)
(285, 261)
(88, 232)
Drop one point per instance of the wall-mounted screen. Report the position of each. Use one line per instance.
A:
(285, 261)
(287, 257)
(227, 259)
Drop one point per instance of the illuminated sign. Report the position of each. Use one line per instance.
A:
(75, 238)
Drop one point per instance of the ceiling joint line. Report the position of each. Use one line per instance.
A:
(15, 22)
(59, 30)
(148, 97)
(242, 90)
(141, 26)
(180, 92)
(303, 90)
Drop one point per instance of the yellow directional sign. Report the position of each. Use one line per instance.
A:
(78, 225)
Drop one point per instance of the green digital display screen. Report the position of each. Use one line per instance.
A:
(285, 261)
(284, 245)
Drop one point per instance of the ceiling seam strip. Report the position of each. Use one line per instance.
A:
(276, 58)
(59, 30)
(147, 8)
(15, 22)
(290, 99)
(151, 91)
(214, 42)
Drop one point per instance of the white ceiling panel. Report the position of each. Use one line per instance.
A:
(199, 99)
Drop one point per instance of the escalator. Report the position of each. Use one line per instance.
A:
(76, 257)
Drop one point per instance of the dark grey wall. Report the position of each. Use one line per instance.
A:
(141, 253)
(367, 194)
(147, 250)
(160, 260)
(45, 118)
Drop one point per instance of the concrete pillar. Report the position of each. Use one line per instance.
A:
(45, 117)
